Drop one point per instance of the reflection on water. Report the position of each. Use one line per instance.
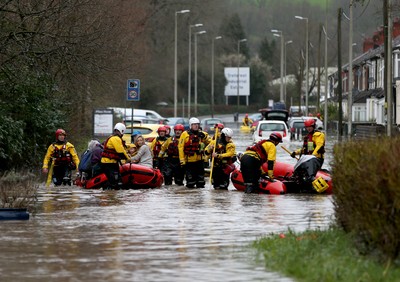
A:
(167, 234)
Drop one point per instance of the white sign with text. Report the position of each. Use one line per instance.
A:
(231, 74)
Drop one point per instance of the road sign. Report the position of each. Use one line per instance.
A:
(133, 90)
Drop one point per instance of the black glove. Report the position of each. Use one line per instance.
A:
(293, 155)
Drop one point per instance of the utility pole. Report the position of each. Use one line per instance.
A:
(387, 23)
(339, 33)
(350, 87)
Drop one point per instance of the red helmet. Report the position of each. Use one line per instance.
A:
(59, 132)
(161, 129)
(179, 127)
(247, 115)
(318, 115)
(167, 127)
(275, 136)
(309, 122)
(219, 125)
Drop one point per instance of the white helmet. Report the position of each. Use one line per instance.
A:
(193, 120)
(120, 127)
(227, 131)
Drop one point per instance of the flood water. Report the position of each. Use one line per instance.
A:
(167, 234)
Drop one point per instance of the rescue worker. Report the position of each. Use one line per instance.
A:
(220, 126)
(170, 154)
(313, 143)
(224, 158)
(191, 149)
(208, 139)
(114, 151)
(62, 155)
(254, 157)
(168, 131)
(155, 146)
(247, 121)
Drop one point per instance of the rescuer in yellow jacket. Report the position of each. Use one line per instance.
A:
(254, 157)
(224, 155)
(191, 153)
(172, 169)
(314, 142)
(114, 151)
(247, 121)
(63, 157)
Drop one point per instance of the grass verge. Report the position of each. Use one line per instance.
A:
(317, 255)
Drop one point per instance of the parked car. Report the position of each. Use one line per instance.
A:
(297, 129)
(208, 124)
(256, 117)
(148, 131)
(172, 121)
(266, 127)
(279, 106)
(138, 120)
(269, 114)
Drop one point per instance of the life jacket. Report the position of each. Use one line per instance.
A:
(158, 145)
(192, 146)
(221, 149)
(259, 149)
(172, 149)
(309, 144)
(111, 153)
(61, 155)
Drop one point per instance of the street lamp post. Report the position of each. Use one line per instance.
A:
(190, 66)
(176, 61)
(279, 33)
(326, 78)
(284, 92)
(238, 67)
(307, 70)
(195, 69)
(212, 74)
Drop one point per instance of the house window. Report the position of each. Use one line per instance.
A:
(381, 69)
(372, 76)
(396, 65)
(360, 114)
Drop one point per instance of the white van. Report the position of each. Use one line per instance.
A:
(126, 114)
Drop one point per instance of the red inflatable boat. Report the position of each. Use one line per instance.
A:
(298, 178)
(295, 184)
(265, 187)
(134, 176)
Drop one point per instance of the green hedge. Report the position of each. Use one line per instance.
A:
(367, 194)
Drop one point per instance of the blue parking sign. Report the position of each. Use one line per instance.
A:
(133, 90)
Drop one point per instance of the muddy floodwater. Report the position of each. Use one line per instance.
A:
(167, 234)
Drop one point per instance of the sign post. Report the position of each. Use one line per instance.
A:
(133, 92)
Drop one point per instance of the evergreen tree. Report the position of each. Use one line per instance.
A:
(232, 31)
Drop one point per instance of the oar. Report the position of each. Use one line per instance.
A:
(50, 173)
(283, 147)
(212, 158)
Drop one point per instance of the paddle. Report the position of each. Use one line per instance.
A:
(50, 173)
(212, 157)
(288, 151)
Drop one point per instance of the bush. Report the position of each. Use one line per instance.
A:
(18, 190)
(367, 194)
